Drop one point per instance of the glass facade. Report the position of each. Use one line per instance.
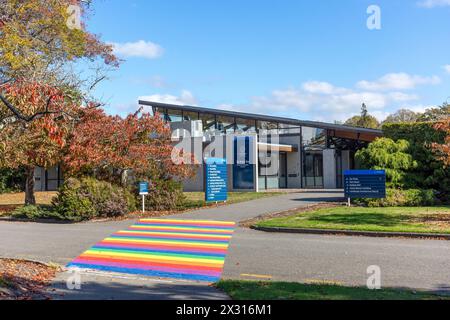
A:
(190, 116)
(174, 116)
(311, 141)
(314, 138)
(265, 127)
(245, 125)
(226, 124)
(209, 122)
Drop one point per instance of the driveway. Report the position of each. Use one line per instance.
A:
(418, 264)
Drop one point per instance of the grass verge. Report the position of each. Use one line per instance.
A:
(252, 290)
(388, 219)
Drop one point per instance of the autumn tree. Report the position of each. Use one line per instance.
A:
(110, 146)
(365, 120)
(41, 42)
(443, 150)
(41, 91)
(40, 142)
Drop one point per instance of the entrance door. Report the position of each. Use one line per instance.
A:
(282, 174)
(313, 169)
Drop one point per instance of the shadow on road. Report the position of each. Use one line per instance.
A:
(117, 288)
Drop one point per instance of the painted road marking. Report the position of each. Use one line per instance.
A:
(259, 276)
(175, 249)
(323, 282)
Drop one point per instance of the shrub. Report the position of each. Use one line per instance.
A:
(402, 198)
(11, 180)
(386, 154)
(35, 213)
(430, 172)
(89, 198)
(165, 195)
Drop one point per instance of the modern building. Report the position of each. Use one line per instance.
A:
(265, 152)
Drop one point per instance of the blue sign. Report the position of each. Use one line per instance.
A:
(143, 188)
(243, 170)
(365, 184)
(216, 180)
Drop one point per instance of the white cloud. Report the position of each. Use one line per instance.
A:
(186, 98)
(141, 48)
(321, 87)
(397, 81)
(447, 68)
(324, 101)
(300, 103)
(433, 3)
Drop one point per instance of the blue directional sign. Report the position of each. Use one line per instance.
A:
(143, 188)
(243, 170)
(365, 184)
(216, 180)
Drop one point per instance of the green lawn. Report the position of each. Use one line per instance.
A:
(252, 290)
(392, 219)
(197, 199)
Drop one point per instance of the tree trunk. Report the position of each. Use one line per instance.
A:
(124, 178)
(30, 200)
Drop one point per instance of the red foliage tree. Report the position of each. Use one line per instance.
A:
(40, 142)
(110, 146)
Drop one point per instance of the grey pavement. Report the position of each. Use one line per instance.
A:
(108, 286)
(406, 263)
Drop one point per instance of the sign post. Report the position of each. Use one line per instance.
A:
(143, 191)
(216, 180)
(370, 184)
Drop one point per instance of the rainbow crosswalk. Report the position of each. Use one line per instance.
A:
(181, 249)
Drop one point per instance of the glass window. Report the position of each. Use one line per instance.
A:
(314, 138)
(190, 116)
(160, 111)
(225, 124)
(174, 115)
(288, 129)
(209, 121)
(245, 125)
(265, 127)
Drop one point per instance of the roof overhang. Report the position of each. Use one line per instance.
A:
(340, 130)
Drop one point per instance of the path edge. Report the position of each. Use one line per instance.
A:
(436, 236)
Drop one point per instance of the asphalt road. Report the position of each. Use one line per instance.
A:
(405, 263)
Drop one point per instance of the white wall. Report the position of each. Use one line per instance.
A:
(329, 168)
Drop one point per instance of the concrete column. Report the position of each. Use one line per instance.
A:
(329, 169)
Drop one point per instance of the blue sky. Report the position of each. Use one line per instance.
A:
(314, 60)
